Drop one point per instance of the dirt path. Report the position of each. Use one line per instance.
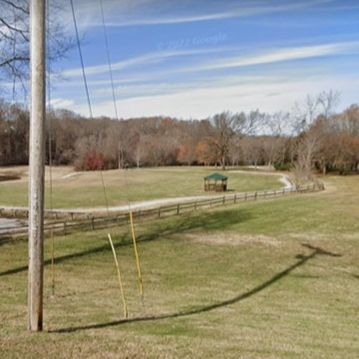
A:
(284, 179)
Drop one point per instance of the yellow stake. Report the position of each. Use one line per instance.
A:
(52, 263)
(125, 312)
(136, 254)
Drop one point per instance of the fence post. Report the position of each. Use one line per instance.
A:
(159, 212)
(235, 198)
(255, 196)
(65, 228)
(178, 209)
(245, 196)
(195, 206)
(93, 223)
(224, 200)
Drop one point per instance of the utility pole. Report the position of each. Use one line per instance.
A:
(36, 165)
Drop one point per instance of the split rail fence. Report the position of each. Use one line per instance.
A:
(73, 221)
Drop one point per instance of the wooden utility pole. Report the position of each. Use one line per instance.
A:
(36, 165)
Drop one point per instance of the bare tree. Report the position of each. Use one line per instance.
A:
(322, 104)
(252, 150)
(223, 124)
(328, 101)
(315, 108)
(275, 143)
(303, 115)
(14, 38)
(226, 125)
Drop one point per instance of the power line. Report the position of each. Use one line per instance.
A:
(109, 59)
(87, 93)
(81, 59)
(133, 233)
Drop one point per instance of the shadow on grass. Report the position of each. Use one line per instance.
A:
(5, 241)
(302, 260)
(9, 177)
(206, 221)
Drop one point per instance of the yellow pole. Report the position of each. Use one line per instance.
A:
(52, 263)
(125, 311)
(136, 254)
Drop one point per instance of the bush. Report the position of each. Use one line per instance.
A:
(280, 166)
(92, 161)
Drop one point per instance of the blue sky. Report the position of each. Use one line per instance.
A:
(192, 59)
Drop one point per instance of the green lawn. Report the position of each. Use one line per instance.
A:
(272, 279)
(85, 188)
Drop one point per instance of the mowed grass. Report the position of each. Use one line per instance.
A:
(84, 189)
(272, 279)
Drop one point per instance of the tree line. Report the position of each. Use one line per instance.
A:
(312, 137)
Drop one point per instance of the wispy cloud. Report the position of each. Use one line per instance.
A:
(146, 59)
(281, 55)
(162, 70)
(270, 96)
(62, 103)
(244, 9)
(166, 12)
(270, 56)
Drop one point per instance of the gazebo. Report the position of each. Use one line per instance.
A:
(215, 182)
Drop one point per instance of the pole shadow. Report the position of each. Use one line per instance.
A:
(302, 259)
(206, 221)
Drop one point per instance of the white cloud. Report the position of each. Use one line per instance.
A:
(156, 16)
(62, 103)
(267, 95)
(200, 97)
(269, 57)
(149, 58)
(280, 55)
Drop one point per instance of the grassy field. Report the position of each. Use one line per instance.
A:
(84, 189)
(273, 279)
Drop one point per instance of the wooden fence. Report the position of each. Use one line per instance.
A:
(88, 222)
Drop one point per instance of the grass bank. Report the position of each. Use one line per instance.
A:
(275, 279)
(84, 189)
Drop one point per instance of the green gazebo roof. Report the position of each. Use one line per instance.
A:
(216, 177)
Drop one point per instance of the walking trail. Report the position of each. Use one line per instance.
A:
(284, 179)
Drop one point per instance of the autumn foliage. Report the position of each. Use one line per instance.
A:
(325, 143)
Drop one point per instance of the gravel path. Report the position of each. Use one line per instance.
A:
(284, 179)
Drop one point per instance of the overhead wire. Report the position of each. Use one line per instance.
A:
(133, 232)
(107, 46)
(87, 91)
(81, 59)
(101, 173)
